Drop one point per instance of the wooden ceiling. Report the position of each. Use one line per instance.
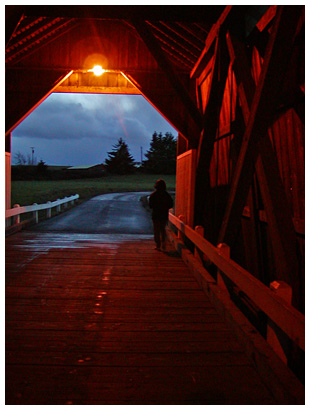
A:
(181, 31)
(158, 48)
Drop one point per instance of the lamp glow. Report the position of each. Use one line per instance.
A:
(97, 70)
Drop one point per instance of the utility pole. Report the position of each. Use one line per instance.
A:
(141, 150)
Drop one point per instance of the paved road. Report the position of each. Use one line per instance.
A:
(120, 213)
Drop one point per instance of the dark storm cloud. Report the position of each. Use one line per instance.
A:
(56, 119)
(77, 121)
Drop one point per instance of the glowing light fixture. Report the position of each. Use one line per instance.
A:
(97, 70)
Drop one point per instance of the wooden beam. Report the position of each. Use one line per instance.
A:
(13, 17)
(259, 39)
(267, 18)
(182, 144)
(178, 58)
(166, 67)
(175, 41)
(214, 102)
(189, 39)
(277, 210)
(279, 215)
(97, 90)
(262, 109)
(211, 115)
(39, 39)
(207, 51)
(16, 113)
(191, 30)
(185, 13)
(32, 29)
(242, 71)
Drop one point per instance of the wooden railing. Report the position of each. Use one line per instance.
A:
(286, 317)
(17, 210)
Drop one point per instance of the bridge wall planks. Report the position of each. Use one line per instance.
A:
(185, 186)
(253, 243)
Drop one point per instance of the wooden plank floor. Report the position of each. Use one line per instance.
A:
(93, 319)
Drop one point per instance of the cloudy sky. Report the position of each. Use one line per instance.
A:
(79, 129)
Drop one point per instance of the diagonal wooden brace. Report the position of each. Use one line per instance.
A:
(260, 116)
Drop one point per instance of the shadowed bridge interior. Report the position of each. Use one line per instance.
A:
(103, 320)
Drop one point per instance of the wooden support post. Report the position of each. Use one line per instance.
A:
(58, 208)
(48, 211)
(36, 214)
(279, 344)
(182, 144)
(180, 234)
(16, 218)
(200, 230)
(214, 102)
(211, 118)
(225, 251)
(66, 203)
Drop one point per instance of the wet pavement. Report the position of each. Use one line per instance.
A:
(115, 213)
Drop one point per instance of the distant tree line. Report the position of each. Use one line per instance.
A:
(160, 158)
(43, 172)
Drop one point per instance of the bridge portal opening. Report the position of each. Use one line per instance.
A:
(80, 128)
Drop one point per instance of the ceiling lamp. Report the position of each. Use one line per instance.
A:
(97, 70)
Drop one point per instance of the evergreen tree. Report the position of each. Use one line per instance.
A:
(120, 161)
(41, 168)
(161, 157)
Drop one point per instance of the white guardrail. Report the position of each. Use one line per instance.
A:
(291, 321)
(17, 210)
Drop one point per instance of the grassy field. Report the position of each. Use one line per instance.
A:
(28, 192)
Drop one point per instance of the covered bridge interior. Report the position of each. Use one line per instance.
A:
(229, 79)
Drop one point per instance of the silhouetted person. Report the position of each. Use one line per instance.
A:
(160, 202)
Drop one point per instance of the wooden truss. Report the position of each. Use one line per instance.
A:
(259, 104)
(256, 154)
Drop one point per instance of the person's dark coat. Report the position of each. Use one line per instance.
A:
(160, 202)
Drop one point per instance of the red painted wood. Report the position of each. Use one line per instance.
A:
(81, 330)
